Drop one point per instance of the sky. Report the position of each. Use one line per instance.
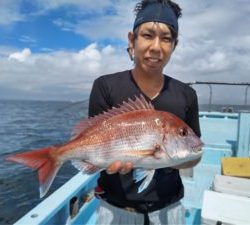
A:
(54, 49)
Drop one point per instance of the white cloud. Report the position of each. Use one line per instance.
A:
(108, 50)
(59, 74)
(27, 39)
(10, 12)
(21, 56)
(83, 4)
(89, 53)
(103, 25)
(214, 37)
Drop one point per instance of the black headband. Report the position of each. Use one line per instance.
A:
(157, 12)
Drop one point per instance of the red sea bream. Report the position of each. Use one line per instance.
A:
(134, 132)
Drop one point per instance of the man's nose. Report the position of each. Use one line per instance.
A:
(156, 44)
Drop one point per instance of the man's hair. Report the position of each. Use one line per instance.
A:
(176, 9)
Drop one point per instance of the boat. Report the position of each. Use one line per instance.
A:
(217, 190)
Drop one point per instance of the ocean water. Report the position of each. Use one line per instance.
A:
(27, 125)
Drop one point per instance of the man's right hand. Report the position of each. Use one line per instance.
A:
(119, 167)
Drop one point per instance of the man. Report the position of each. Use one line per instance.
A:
(151, 45)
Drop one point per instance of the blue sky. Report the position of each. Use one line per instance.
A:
(54, 49)
(53, 28)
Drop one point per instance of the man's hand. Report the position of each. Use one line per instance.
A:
(119, 167)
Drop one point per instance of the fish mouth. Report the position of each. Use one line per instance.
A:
(197, 148)
(194, 152)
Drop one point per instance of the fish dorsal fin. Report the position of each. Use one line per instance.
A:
(127, 106)
(130, 105)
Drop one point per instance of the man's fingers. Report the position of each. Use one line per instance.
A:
(114, 167)
(118, 166)
(127, 167)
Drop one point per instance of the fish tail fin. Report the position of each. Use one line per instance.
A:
(44, 162)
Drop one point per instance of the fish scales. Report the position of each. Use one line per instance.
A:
(120, 134)
(126, 135)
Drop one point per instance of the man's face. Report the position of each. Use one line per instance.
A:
(152, 47)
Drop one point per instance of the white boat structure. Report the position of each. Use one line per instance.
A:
(217, 190)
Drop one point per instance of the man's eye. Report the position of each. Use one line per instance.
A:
(167, 39)
(147, 36)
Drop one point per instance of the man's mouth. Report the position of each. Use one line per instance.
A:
(153, 62)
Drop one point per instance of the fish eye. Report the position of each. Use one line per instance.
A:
(183, 132)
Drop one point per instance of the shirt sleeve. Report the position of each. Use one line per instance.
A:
(193, 115)
(99, 98)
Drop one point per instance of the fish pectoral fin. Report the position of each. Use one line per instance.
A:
(140, 153)
(84, 167)
(140, 174)
(156, 152)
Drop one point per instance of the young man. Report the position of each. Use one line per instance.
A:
(151, 45)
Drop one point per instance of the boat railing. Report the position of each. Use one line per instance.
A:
(210, 85)
(65, 204)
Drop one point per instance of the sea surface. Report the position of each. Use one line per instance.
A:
(28, 125)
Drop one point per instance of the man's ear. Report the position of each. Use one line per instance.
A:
(130, 49)
(131, 39)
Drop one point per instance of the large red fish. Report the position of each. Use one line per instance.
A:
(134, 132)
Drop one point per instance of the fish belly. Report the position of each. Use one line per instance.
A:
(132, 148)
